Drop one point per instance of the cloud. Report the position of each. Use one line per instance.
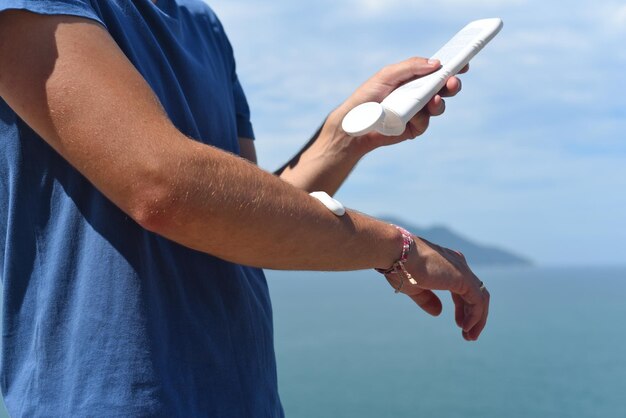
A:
(530, 155)
(619, 18)
(376, 10)
(611, 16)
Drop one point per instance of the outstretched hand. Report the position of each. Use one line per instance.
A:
(390, 78)
(438, 268)
(329, 157)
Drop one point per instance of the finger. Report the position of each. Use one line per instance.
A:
(416, 126)
(452, 87)
(459, 309)
(473, 315)
(428, 301)
(474, 307)
(436, 106)
(475, 332)
(400, 73)
(464, 69)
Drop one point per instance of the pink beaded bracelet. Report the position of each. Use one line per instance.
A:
(398, 266)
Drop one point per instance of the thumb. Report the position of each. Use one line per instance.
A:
(407, 70)
(428, 301)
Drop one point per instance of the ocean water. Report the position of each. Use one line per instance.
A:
(555, 346)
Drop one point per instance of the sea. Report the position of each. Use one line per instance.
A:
(554, 346)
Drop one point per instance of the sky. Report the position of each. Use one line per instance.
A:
(531, 156)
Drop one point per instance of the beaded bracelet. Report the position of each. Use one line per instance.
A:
(398, 266)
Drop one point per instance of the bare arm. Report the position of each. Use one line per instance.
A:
(110, 126)
(328, 158)
(194, 194)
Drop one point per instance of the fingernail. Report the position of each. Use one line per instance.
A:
(433, 62)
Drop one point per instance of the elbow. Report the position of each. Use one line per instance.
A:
(158, 200)
(152, 214)
(151, 204)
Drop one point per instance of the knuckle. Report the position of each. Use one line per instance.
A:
(381, 75)
(417, 63)
(384, 71)
(421, 124)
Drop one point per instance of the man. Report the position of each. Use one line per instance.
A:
(133, 235)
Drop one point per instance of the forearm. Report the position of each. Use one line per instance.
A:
(225, 206)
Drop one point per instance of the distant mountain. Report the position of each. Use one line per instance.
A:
(476, 254)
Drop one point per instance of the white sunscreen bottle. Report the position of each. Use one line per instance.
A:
(391, 115)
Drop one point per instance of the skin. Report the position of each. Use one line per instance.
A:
(175, 186)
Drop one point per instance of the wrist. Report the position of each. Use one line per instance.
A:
(397, 250)
(355, 147)
(398, 268)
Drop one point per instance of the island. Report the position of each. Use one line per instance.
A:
(476, 254)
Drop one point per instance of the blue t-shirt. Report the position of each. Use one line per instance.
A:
(100, 316)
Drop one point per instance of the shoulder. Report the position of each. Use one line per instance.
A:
(202, 16)
(198, 8)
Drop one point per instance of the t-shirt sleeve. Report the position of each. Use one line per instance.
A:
(242, 109)
(80, 8)
(244, 124)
